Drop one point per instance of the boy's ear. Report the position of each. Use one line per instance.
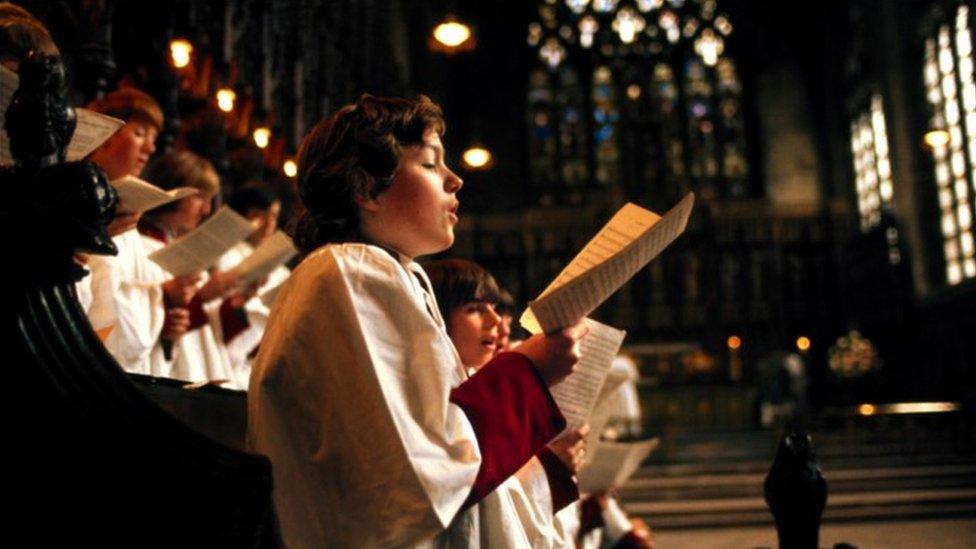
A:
(365, 202)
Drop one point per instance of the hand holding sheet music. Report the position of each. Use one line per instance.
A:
(201, 248)
(577, 394)
(632, 238)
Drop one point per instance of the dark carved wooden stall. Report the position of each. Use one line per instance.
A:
(90, 456)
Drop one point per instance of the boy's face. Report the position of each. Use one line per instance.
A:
(417, 214)
(191, 211)
(265, 222)
(473, 328)
(128, 151)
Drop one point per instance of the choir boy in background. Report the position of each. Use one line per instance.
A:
(468, 298)
(376, 434)
(261, 206)
(125, 153)
(214, 301)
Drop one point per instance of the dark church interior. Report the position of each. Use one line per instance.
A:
(822, 296)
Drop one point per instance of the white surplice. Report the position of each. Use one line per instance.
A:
(349, 397)
(519, 513)
(241, 345)
(127, 294)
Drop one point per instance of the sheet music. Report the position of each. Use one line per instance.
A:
(632, 238)
(577, 394)
(91, 131)
(9, 82)
(274, 251)
(602, 411)
(136, 195)
(613, 464)
(201, 248)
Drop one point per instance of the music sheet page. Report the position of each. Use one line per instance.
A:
(613, 464)
(632, 238)
(274, 251)
(577, 394)
(201, 248)
(91, 130)
(136, 195)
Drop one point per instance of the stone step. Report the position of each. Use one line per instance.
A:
(875, 505)
(827, 464)
(665, 488)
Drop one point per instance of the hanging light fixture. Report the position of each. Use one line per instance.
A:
(477, 158)
(262, 136)
(225, 99)
(451, 36)
(290, 167)
(180, 51)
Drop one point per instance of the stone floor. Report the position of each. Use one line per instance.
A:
(914, 534)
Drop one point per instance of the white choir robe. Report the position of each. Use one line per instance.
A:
(520, 513)
(200, 355)
(127, 295)
(349, 398)
(243, 344)
(83, 291)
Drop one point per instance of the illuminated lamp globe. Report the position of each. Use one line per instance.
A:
(262, 136)
(734, 342)
(290, 168)
(452, 33)
(225, 99)
(180, 51)
(803, 343)
(476, 157)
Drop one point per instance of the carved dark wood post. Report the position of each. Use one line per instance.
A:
(89, 457)
(796, 493)
(95, 64)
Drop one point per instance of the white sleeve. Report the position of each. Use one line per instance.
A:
(138, 308)
(615, 523)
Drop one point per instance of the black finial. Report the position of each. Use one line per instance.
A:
(796, 493)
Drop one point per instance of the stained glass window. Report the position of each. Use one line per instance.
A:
(606, 117)
(652, 101)
(542, 133)
(948, 72)
(872, 164)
